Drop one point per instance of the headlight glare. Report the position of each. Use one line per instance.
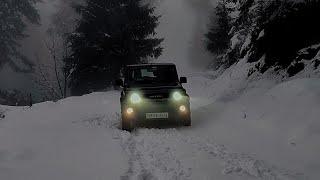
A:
(135, 98)
(177, 96)
(129, 111)
(183, 108)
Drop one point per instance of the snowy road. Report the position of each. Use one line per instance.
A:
(174, 153)
(79, 138)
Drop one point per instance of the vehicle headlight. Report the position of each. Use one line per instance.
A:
(177, 96)
(135, 98)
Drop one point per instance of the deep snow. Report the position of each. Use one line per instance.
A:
(50, 141)
(258, 128)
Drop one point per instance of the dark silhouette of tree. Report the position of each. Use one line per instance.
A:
(291, 27)
(14, 98)
(110, 34)
(269, 32)
(13, 16)
(244, 17)
(218, 38)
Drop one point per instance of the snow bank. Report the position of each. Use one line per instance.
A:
(276, 122)
(50, 140)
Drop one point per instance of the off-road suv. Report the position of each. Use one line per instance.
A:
(153, 93)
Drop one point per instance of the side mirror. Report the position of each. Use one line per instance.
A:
(119, 82)
(183, 80)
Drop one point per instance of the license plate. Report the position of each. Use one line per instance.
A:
(157, 115)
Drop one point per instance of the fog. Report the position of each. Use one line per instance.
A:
(32, 46)
(183, 24)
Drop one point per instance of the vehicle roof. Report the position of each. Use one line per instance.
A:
(151, 64)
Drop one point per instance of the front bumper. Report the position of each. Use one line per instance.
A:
(140, 111)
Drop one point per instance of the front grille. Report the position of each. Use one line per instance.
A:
(157, 96)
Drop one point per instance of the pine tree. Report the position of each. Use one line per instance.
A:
(110, 34)
(13, 14)
(218, 37)
(288, 26)
(244, 17)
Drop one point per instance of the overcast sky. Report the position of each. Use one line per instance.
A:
(182, 24)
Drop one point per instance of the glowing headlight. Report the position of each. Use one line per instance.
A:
(129, 111)
(182, 108)
(135, 98)
(177, 96)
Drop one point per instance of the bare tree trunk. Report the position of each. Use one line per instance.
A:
(53, 53)
(44, 82)
(65, 83)
(30, 100)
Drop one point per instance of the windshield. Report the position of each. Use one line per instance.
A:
(150, 75)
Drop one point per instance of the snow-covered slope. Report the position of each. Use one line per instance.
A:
(276, 123)
(242, 129)
(269, 116)
(51, 141)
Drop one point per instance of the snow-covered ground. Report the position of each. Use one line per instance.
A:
(242, 129)
(51, 141)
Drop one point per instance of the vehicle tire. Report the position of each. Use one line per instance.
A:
(187, 122)
(127, 125)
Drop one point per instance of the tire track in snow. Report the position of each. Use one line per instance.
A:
(236, 163)
(138, 169)
(150, 157)
(153, 156)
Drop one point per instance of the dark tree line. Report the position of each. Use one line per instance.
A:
(109, 35)
(13, 16)
(288, 31)
(14, 98)
(218, 36)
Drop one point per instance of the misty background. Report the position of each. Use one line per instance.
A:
(183, 24)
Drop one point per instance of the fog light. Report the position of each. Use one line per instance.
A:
(129, 111)
(182, 108)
